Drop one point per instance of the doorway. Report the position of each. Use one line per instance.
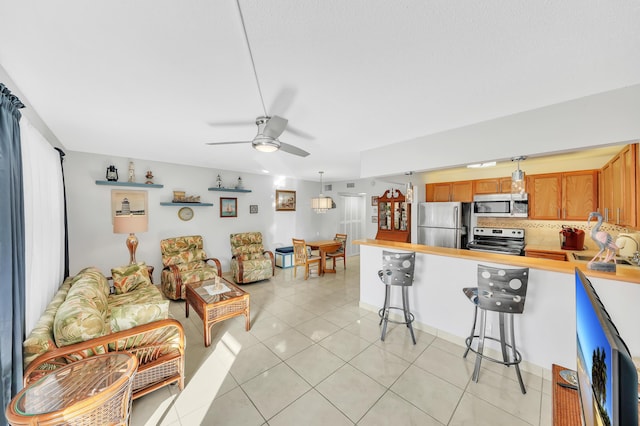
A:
(352, 220)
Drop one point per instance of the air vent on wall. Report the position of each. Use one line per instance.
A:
(328, 187)
(351, 185)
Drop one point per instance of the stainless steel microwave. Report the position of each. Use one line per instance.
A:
(501, 205)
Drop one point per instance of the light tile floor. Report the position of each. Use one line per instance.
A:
(314, 357)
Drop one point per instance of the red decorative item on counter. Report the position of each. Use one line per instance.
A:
(571, 238)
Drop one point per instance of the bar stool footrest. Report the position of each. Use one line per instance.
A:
(518, 359)
(382, 316)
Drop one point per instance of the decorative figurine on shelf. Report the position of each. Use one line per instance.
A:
(132, 172)
(239, 186)
(219, 181)
(149, 177)
(606, 262)
(112, 173)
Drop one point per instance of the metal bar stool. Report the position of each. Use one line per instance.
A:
(503, 291)
(397, 271)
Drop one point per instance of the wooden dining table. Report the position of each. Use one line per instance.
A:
(325, 246)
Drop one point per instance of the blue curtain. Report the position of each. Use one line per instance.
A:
(12, 267)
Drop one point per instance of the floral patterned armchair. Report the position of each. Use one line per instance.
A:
(250, 261)
(185, 261)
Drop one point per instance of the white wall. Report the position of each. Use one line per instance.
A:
(93, 243)
(610, 117)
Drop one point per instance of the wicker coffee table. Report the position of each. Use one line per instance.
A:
(92, 391)
(213, 308)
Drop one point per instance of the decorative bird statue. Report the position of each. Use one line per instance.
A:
(604, 241)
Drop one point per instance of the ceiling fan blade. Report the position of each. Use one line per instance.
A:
(282, 101)
(293, 149)
(233, 123)
(227, 143)
(275, 126)
(300, 133)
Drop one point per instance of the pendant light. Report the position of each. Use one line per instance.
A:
(409, 191)
(517, 177)
(321, 203)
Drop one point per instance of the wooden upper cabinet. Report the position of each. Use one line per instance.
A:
(450, 191)
(545, 196)
(619, 185)
(462, 191)
(492, 186)
(579, 194)
(486, 186)
(565, 196)
(442, 192)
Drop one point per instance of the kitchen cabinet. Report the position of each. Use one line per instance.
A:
(492, 186)
(394, 217)
(565, 196)
(450, 191)
(619, 184)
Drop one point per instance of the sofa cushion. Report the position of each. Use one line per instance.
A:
(144, 293)
(129, 277)
(40, 339)
(78, 319)
(128, 316)
(89, 286)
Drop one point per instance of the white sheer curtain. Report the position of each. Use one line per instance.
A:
(44, 221)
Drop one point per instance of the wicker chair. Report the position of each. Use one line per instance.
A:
(250, 262)
(185, 261)
(340, 253)
(302, 257)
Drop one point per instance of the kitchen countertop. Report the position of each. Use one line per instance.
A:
(625, 273)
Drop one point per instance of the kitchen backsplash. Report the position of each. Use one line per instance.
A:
(546, 232)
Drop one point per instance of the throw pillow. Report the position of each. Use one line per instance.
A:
(127, 278)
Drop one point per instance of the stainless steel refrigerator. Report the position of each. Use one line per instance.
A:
(444, 224)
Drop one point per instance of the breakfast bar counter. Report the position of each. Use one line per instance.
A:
(546, 329)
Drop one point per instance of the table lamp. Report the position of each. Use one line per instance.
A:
(129, 224)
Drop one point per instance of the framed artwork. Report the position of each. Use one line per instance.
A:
(228, 207)
(374, 219)
(374, 210)
(374, 200)
(285, 200)
(128, 203)
(253, 209)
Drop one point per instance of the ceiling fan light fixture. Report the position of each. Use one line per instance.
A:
(265, 144)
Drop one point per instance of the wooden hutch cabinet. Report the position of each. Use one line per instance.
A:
(394, 217)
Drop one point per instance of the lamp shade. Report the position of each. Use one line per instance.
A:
(321, 204)
(130, 224)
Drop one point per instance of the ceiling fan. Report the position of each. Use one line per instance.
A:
(269, 127)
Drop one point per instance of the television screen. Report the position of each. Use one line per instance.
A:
(607, 378)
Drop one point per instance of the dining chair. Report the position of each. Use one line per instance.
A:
(340, 253)
(303, 257)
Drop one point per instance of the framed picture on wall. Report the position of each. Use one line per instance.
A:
(128, 203)
(374, 200)
(285, 200)
(253, 209)
(228, 207)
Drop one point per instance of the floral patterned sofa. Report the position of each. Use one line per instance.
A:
(185, 262)
(84, 319)
(250, 262)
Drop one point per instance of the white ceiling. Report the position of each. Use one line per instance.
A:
(155, 79)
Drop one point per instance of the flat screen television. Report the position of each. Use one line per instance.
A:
(607, 377)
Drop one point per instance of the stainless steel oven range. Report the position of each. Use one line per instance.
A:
(498, 240)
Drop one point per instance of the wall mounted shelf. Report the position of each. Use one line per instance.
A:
(140, 185)
(229, 190)
(163, 203)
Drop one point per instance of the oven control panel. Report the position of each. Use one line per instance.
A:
(499, 232)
